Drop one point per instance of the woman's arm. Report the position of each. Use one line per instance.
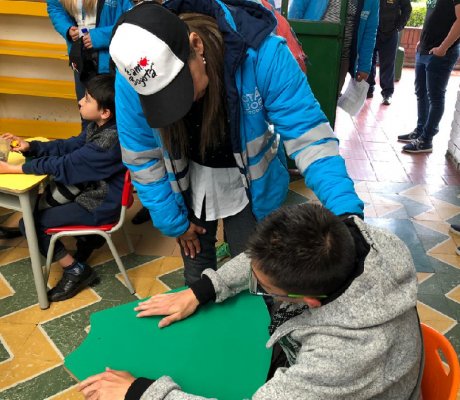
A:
(60, 18)
(303, 127)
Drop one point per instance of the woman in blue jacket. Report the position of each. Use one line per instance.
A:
(221, 94)
(92, 20)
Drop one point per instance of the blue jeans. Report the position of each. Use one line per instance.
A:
(432, 74)
(386, 48)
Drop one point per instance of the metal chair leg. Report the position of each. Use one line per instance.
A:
(120, 265)
(128, 240)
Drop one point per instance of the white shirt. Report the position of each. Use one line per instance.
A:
(223, 189)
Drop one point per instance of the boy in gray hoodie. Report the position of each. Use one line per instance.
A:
(346, 316)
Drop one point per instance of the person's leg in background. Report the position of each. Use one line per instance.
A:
(422, 99)
(371, 78)
(438, 70)
(77, 275)
(238, 228)
(345, 63)
(387, 56)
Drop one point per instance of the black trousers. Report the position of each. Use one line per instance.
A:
(237, 229)
(385, 47)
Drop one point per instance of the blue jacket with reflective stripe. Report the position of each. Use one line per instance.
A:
(265, 87)
(100, 35)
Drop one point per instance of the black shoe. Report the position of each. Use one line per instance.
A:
(455, 229)
(9, 233)
(369, 95)
(71, 284)
(143, 215)
(408, 137)
(386, 100)
(86, 245)
(418, 146)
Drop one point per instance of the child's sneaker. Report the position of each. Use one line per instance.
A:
(418, 146)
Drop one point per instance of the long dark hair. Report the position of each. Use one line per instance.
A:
(175, 136)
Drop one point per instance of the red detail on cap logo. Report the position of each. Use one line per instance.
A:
(143, 62)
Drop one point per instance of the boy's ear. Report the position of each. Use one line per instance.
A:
(312, 302)
(106, 114)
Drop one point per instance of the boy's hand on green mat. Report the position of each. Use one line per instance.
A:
(109, 385)
(176, 306)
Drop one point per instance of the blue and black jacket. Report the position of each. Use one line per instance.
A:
(100, 35)
(269, 104)
(91, 161)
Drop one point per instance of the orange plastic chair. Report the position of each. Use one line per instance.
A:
(102, 230)
(437, 382)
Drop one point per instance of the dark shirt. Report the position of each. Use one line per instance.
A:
(440, 16)
(219, 157)
(394, 15)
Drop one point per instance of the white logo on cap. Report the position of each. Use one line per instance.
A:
(146, 61)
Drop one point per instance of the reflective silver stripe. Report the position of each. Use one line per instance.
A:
(151, 174)
(319, 132)
(140, 157)
(313, 153)
(255, 146)
(179, 165)
(182, 185)
(258, 170)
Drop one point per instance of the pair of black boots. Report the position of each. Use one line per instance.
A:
(78, 275)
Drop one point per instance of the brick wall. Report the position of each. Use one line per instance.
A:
(409, 40)
(454, 142)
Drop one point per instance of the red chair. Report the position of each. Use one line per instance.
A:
(438, 383)
(102, 230)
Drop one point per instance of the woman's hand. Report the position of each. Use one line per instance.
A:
(16, 143)
(6, 168)
(361, 76)
(87, 41)
(74, 33)
(176, 306)
(189, 241)
(109, 385)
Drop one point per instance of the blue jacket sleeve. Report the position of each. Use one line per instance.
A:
(142, 154)
(60, 18)
(366, 47)
(312, 10)
(58, 147)
(101, 35)
(86, 164)
(304, 129)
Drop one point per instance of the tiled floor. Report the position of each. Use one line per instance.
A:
(415, 196)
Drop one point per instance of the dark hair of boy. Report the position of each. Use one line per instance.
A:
(102, 89)
(304, 249)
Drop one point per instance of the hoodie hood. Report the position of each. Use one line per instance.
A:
(385, 290)
(243, 24)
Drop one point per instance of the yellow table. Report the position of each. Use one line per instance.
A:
(19, 192)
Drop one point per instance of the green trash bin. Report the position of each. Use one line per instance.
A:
(399, 61)
(322, 42)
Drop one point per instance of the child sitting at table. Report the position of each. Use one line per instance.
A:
(345, 314)
(87, 182)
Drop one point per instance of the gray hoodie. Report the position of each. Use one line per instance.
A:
(366, 344)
